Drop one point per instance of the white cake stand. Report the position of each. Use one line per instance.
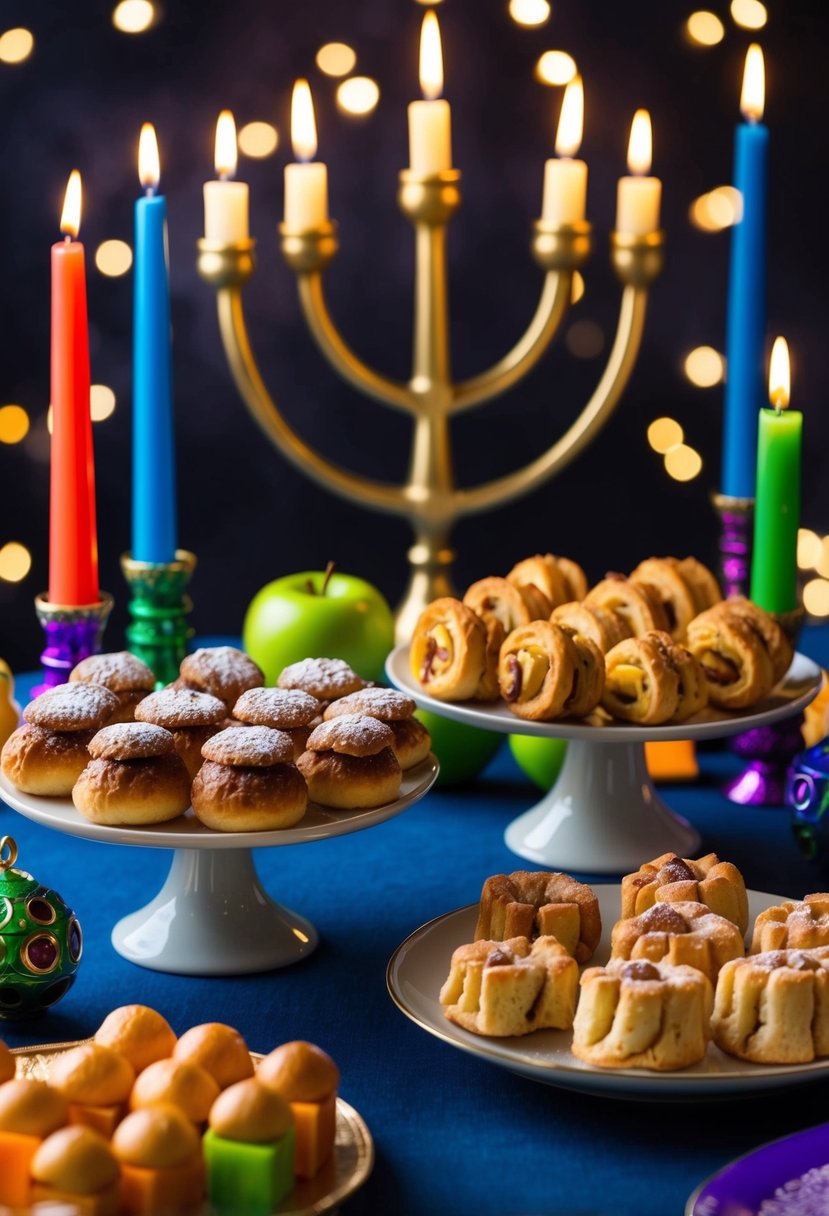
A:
(212, 916)
(603, 815)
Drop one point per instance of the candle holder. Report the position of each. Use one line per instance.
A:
(430, 499)
(72, 633)
(159, 606)
(736, 536)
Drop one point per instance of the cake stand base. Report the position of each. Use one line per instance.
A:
(212, 917)
(602, 816)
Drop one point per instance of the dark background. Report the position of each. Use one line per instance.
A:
(79, 102)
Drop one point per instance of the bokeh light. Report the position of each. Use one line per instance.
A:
(816, 597)
(664, 434)
(704, 366)
(822, 563)
(258, 139)
(555, 67)
(578, 289)
(16, 45)
(15, 562)
(101, 402)
(529, 12)
(750, 14)
(584, 339)
(718, 209)
(358, 95)
(683, 463)
(133, 16)
(113, 258)
(704, 28)
(14, 424)
(336, 59)
(809, 548)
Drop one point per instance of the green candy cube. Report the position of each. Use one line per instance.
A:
(249, 1179)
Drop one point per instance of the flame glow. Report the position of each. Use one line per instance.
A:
(149, 165)
(303, 123)
(226, 156)
(753, 96)
(640, 145)
(779, 374)
(70, 217)
(431, 57)
(571, 119)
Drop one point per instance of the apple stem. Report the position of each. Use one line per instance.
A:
(329, 570)
(309, 584)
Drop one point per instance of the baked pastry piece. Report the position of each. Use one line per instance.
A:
(636, 603)
(793, 925)
(48, 752)
(29, 1111)
(669, 878)
(325, 679)
(222, 671)
(537, 670)
(137, 1032)
(683, 934)
(448, 654)
(76, 1170)
(734, 656)
(219, 1049)
(249, 1150)
(96, 1082)
(248, 782)
(162, 1168)
(602, 625)
(642, 1015)
(641, 683)
(307, 1078)
(412, 740)
(588, 678)
(286, 709)
(664, 577)
(190, 716)
(544, 574)
(180, 1083)
(780, 649)
(704, 586)
(502, 606)
(134, 776)
(773, 1008)
(540, 904)
(350, 763)
(121, 672)
(511, 987)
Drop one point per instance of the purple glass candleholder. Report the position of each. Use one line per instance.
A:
(72, 634)
(736, 536)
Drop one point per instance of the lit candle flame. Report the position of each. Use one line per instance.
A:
(571, 119)
(753, 96)
(779, 374)
(640, 147)
(303, 123)
(70, 217)
(149, 165)
(431, 57)
(226, 157)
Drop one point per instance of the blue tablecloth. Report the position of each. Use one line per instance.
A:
(453, 1133)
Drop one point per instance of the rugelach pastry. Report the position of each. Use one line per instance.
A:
(307, 1078)
(221, 671)
(793, 925)
(249, 1150)
(286, 709)
(664, 577)
(669, 879)
(190, 716)
(502, 606)
(325, 679)
(652, 679)
(642, 1015)
(538, 904)
(137, 1032)
(350, 763)
(773, 1008)
(683, 934)
(134, 776)
(448, 654)
(96, 1082)
(162, 1168)
(511, 987)
(543, 573)
(537, 670)
(734, 656)
(704, 586)
(179, 1083)
(219, 1049)
(76, 1170)
(588, 678)
(636, 603)
(411, 738)
(29, 1112)
(248, 782)
(780, 649)
(122, 673)
(602, 625)
(47, 754)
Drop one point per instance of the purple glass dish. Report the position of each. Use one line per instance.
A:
(741, 1187)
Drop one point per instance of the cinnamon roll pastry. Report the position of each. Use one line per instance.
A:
(641, 685)
(574, 577)
(636, 603)
(666, 580)
(735, 660)
(502, 606)
(603, 626)
(704, 586)
(588, 680)
(543, 573)
(447, 656)
(693, 686)
(781, 651)
(537, 670)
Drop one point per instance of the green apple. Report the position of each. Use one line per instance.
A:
(318, 614)
(463, 751)
(540, 759)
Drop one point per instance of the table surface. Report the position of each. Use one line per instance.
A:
(453, 1134)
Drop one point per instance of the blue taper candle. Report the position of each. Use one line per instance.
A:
(746, 318)
(153, 444)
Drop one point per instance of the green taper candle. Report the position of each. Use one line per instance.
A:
(777, 503)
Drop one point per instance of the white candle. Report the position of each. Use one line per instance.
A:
(430, 121)
(306, 183)
(225, 201)
(639, 197)
(565, 178)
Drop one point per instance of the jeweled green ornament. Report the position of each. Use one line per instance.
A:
(40, 942)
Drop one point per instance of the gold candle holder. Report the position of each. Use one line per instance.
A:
(430, 498)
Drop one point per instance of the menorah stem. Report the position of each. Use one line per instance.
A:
(430, 561)
(431, 359)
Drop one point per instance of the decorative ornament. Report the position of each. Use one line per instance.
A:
(40, 942)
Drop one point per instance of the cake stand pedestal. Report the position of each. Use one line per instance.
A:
(603, 815)
(212, 916)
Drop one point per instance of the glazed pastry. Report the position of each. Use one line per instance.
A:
(542, 574)
(532, 904)
(350, 763)
(325, 679)
(502, 606)
(588, 680)
(665, 578)
(733, 656)
(780, 649)
(190, 716)
(773, 1008)
(412, 740)
(122, 673)
(217, 1048)
(704, 586)
(76, 1170)
(511, 987)
(248, 781)
(641, 685)
(669, 878)
(47, 754)
(221, 671)
(134, 777)
(794, 925)
(180, 1083)
(286, 709)
(642, 1015)
(448, 651)
(602, 625)
(137, 1032)
(96, 1082)
(537, 670)
(636, 603)
(683, 934)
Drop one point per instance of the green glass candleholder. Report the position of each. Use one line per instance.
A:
(159, 606)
